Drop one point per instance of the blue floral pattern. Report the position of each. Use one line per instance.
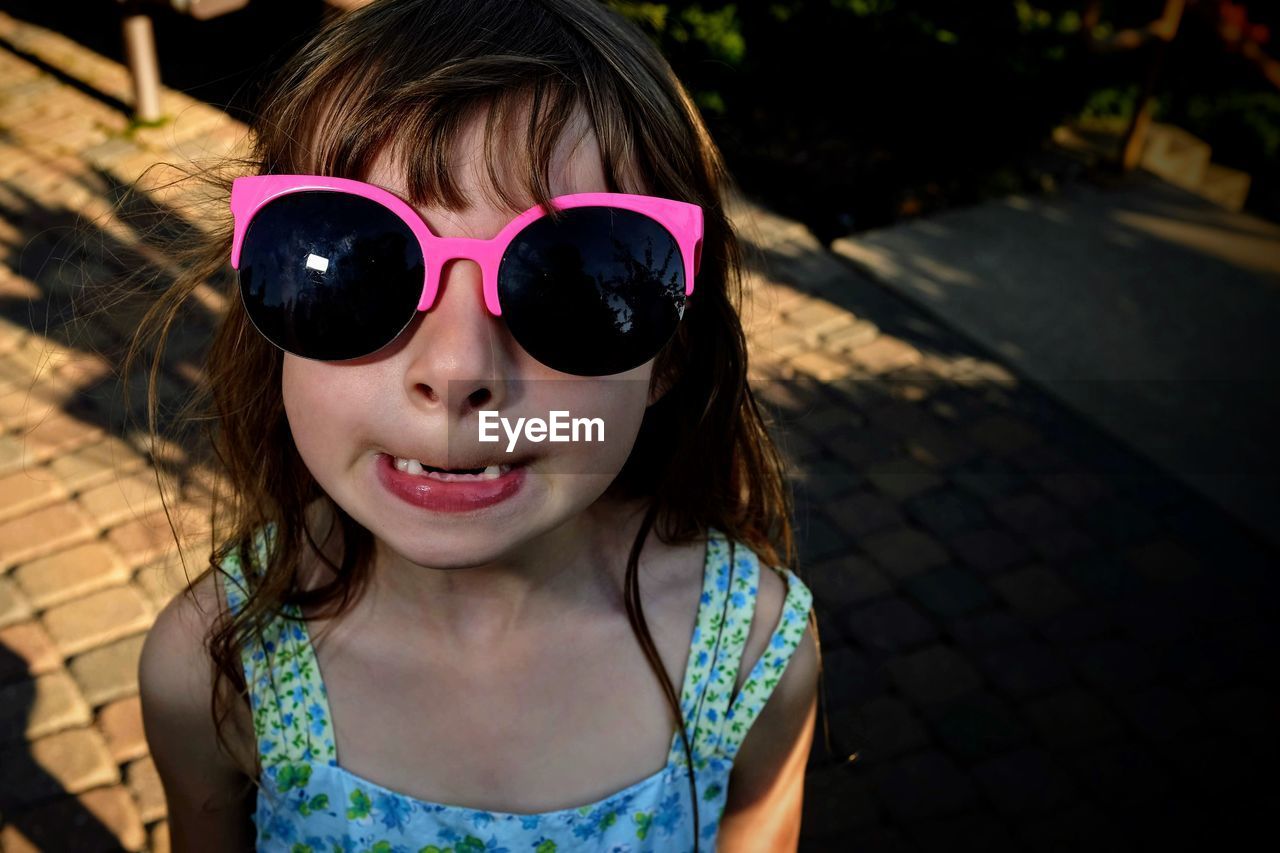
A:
(308, 802)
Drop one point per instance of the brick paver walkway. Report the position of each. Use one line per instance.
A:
(1031, 640)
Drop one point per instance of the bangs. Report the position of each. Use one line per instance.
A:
(532, 110)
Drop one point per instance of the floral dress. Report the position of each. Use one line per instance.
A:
(308, 802)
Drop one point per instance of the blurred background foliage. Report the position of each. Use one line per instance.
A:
(851, 114)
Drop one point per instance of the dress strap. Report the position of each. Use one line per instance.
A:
(724, 620)
(764, 676)
(286, 695)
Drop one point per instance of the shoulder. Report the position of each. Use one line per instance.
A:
(175, 683)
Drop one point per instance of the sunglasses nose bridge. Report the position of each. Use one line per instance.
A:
(484, 253)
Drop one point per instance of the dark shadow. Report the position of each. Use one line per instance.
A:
(31, 801)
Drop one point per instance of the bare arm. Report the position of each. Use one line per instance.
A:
(766, 788)
(210, 800)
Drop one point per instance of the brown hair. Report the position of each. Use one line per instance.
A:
(401, 70)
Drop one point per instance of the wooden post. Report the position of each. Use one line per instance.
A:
(1163, 32)
(140, 52)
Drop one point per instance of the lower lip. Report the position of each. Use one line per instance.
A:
(453, 496)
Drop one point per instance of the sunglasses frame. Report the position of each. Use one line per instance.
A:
(682, 220)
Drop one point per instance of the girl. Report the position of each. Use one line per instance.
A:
(417, 640)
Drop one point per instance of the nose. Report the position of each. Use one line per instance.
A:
(457, 353)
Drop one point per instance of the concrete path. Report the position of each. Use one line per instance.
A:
(1147, 309)
(1032, 639)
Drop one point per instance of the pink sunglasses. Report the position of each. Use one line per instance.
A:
(334, 268)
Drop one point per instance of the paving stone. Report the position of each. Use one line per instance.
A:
(1112, 664)
(948, 591)
(122, 499)
(1159, 713)
(1080, 827)
(845, 581)
(933, 674)
(26, 650)
(1025, 669)
(977, 725)
(818, 539)
(1155, 619)
(1023, 782)
(144, 784)
(42, 532)
(946, 512)
(1245, 710)
(900, 477)
(970, 833)
(1199, 662)
(850, 336)
(820, 365)
(1071, 718)
(888, 727)
(14, 607)
(1102, 576)
(1041, 459)
(69, 574)
(103, 819)
(836, 801)
(988, 550)
(884, 353)
(1002, 434)
(1163, 561)
(1075, 625)
(904, 551)
(1118, 522)
(1035, 591)
(891, 625)
(988, 628)
(47, 704)
(924, 785)
(864, 512)
(1120, 774)
(71, 761)
(97, 619)
(867, 446)
(121, 725)
(109, 672)
(58, 434)
(144, 539)
(1044, 526)
(1076, 489)
(989, 478)
(25, 491)
(852, 677)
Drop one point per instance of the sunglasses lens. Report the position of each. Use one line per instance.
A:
(598, 291)
(329, 276)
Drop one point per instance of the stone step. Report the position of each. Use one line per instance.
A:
(1175, 155)
(1225, 186)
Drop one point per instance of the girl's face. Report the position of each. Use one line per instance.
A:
(420, 398)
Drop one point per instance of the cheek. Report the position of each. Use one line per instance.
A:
(312, 404)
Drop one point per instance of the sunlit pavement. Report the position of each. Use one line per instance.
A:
(1033, 640)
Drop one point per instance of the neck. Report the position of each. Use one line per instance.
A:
(553, 582)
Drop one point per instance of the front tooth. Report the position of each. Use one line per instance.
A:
(402, 464)
(413, 466)
(492, 472)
